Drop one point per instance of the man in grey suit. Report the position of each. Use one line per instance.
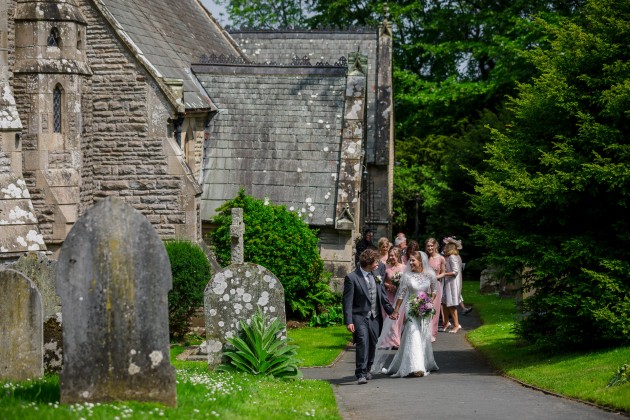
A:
(363, 296)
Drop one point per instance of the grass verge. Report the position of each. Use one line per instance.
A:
(578, 375)
(319, 346)
(200, 394)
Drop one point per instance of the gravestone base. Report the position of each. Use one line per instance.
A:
(145, 388)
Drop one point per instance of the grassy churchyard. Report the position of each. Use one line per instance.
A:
(201, 394)
(579, 375)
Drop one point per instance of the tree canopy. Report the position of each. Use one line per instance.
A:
(554, 197)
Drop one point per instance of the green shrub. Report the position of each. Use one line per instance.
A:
(333, 315)
(191, 272)
(280, 241)
(261, 350)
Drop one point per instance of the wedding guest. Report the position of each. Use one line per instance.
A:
(363, 244)
(362, 301)
(415, 356)
(438, 264)
(458, 244)
(395, 268)
(412, 247)
(401, 242)
(383, 249)
(451, 297)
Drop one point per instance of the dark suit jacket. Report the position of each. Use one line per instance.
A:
(356, 298)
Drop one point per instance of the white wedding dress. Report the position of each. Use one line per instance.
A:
(416, 351)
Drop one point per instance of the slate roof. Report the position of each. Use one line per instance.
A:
(278, 134)
(319, 46)
(170, 44)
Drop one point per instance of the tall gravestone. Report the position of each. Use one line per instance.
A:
(235, 293)
(113, 277)
(21, 328)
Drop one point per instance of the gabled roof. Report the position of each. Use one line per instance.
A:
(170, 35)
(325, 46)
(277, 134)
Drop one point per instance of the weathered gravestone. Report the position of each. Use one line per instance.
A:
(21, 328)
(235, 293)
(37, 267)
(113, 277)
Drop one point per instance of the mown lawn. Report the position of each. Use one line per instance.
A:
(320, 346)
(200, 394)
(577, 375)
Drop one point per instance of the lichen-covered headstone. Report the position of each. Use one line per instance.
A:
(113, 277)
(37, 267)
(234, 294)
(21, 328)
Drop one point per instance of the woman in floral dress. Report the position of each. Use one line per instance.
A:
(452, 296)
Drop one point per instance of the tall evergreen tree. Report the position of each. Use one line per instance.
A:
(554, 199)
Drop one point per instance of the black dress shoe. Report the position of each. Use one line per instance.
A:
(467, 311)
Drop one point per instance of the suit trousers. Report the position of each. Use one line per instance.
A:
(366, 331)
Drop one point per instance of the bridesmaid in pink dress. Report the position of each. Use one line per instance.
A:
(394, 265)
(438, 263)
(383, 249)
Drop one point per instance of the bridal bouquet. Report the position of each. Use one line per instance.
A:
(421, 306)
(396, 278)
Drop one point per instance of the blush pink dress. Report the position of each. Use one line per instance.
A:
(393, 336)
(436, 264)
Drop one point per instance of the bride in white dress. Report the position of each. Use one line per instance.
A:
(415, 355)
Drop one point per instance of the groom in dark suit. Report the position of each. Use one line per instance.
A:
(363, 296)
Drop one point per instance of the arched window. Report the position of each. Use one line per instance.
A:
(54, 39)
(79, 40)
(57, 92)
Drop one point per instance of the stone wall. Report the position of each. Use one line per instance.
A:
(336, 249)
(134, 157)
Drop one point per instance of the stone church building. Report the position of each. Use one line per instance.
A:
(111, 97)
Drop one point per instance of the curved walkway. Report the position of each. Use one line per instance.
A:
(465, 387)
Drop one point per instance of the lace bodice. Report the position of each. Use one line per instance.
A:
(414, 283)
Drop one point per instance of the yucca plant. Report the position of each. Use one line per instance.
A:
(260, 349)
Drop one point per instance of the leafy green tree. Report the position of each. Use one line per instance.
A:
(554, 199)
(456, 61)
(280, 241)
(266, 14)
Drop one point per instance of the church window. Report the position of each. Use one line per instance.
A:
(57, 109)
(54, 39)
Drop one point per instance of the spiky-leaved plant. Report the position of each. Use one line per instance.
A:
(260, 349)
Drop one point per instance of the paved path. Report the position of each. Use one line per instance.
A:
(465, 387)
